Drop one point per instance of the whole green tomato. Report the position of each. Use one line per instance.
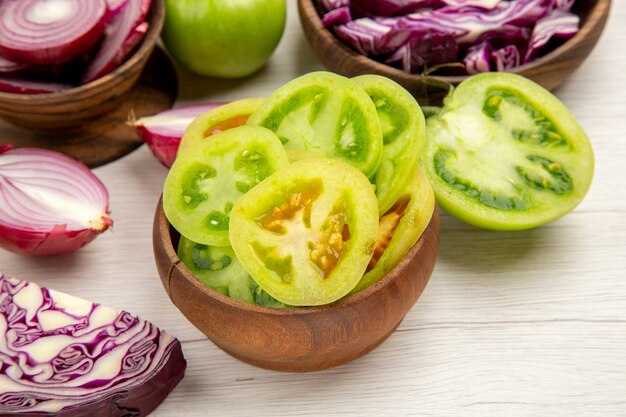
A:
(227, 39)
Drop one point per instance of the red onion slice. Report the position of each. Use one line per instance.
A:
(126, 31)
(21, 85)
(163, 131)
(49, 203)
(116, 5)
(68, 357)
(50, 31)
(7, 67)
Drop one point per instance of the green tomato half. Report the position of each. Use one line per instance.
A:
(307, 232)
(506, 154)
(402, 125)
(325, 114)
(204, 182)
(227, 39)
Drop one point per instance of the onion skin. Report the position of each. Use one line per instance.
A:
(56, 380)
(163, 131)
(61, 177)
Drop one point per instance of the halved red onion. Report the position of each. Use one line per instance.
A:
(163, 131)
(116, 5)
(50, 31)
(7, 67)
(125, 32)
(49, 203)
(21, 85)
(68, 357)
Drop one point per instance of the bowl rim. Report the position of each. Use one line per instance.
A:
(346, 301)
(308, 11)
(156, 18)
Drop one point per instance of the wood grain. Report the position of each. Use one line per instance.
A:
(510, 325)
(550, 70)
(83, 103)
(107, 137)
(297, 339)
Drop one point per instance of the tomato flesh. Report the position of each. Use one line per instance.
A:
(506, 154)
(307, 232)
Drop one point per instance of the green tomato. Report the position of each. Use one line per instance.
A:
(324, 114)
(400, 227)
(506, 154)
(307, 232)
(217, 120)
(219, 38)
(404, 135)
(205, 181)
(218, 268)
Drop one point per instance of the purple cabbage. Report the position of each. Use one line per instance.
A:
(68, 357)
(482, 34)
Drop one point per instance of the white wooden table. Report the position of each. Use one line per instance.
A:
(512, 324)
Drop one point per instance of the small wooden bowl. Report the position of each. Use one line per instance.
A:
(551, 70)
(76, 105)
(300, 338)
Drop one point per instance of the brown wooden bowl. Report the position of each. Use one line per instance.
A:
(76, 105)
(299, 338)
(550, 70)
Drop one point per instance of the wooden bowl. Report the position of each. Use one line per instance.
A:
(76, 105)
(299, 338)
(550, 70)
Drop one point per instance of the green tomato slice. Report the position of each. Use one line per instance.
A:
(403, 129)
(205, 182)
(307, 232)
(217, 120)
(217, 267)
(400, 227)
(325, 114)
(506, 154)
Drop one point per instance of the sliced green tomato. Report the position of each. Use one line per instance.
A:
(217, 267)
(506, 154)
(400, 227)
(307, 232)
(404, 135)
(217, 120)
(326, 114)
(204, 183)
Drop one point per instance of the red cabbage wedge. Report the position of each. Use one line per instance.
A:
(64, 356)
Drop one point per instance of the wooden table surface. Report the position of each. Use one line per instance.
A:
(512, 324)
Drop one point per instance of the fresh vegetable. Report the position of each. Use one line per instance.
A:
(50, 31)
(505, 154)
(68, 357)
(49, 203)
(201, 188)
(402, 125)
(218, 268)
(124, 33)
(306, 233)
(221, 38)
(217, 120)
(48, 46)
(399, 228)
(325, 114)
(484, 35)
(163, 131)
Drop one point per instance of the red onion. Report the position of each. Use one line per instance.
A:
(126, 31)
(50, 31)
(7, 66)
(22, 85)
(49, 202)
(162, 132)
(68, 357)
(116, 5)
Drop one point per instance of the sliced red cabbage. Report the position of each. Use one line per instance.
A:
(391, 7)
(367, 36)
(18, 84)
(431, 48)
(478, 58)
(338, 16)
(557, 25)
(328, 5)
(123, 34)
(506, 58)
(484, 4)
(64, 356)
(564, 5)
(50, 31)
